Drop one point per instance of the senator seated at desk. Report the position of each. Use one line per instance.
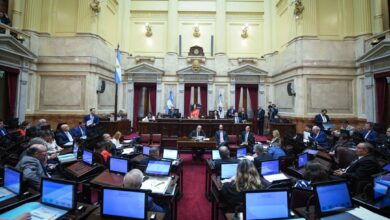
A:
(247, 139)
(224, 154)
(319, 138)
(64, 137)
(260, 155)
(154, 153)
(198, 134)
(221, 137)
(173, 113)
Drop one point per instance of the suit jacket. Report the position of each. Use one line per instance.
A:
(193, 134)
(363, 168)
(218, 136)
(62, 138)
(76, 132)
(239, 119)
(260, 114)
(32, 171)
(232, 197)
(276, 152)
(95, 119)
(230, 113)
(318, 120)
(263, 157)
(372, 136)
(217, 164)
(321, 139)
(251, 138)
(244, 116)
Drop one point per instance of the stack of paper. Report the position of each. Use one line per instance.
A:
(157, 185)
(275, 177)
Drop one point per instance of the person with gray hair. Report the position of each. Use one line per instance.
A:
(224, 153)
(133, 180)
(154, 153)
(33, 165)
(260, 155)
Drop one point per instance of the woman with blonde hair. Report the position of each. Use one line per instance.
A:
(246, 179)
(116, 140)
(275, 138)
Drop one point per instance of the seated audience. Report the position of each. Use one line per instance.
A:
(247, 139)
(172, 113)
(3, 131)
(344, 127)
(50, 143)
(154, 153)
(116, 140)
(321, 119)
(64, 137)
(319, 137)
(195, 113)
(80, 131)
(385, 142)
(103, 149)
(369, 134)
(243, 115)
(314, 172)
(133, 180)
(107, 138)
(344, 141)
(33, 165)
(221, 137)
(224, 153)
(276, 151)
(23, 128)
(237, 119)
(275, 138)
(260, 155)
(246, 179)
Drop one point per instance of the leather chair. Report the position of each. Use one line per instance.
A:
(156, 140)
(145, 139)
(345, 156)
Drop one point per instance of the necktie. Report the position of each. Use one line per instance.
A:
(197, 134)
(324, 119)
(70, 138)
(246, 137)
(365, 137)
(82, 132)
(221, 137)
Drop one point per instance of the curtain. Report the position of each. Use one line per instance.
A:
(237, 99)
(136, 102)
(12, 83)
(203, 97)
(381, 87)
(253, 96)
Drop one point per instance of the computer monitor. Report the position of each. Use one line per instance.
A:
(228, 170)
(381, 186)
(270, 204)
(269, 167)
(58, 193)
(241, 152)
(215, 155)
(118, 165)
(87, 157)
(145, 150)
(387, 167)
(327, 126)
(333, 197)
(158, 167)
(124, 203)
(12, 179)
(170, 154)
(302, 159)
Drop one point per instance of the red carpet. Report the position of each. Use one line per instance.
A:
(194, 205)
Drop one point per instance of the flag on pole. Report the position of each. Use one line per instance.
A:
(118, 71)
(220, 105)
(169, 102)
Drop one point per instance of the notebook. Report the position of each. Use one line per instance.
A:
(333, 197)
(241, 152)
(159, 179)
(270, 204)
(228, 170)
(215, 155)
(145, 150)
(118, 165)
(12, 183)
(381, 190)
(170, 154)
(270, 170)
(124, 203)
(57, 198)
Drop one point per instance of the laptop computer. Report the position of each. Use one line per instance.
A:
(215, 155)
(79, 169)
(270, 170)
(58, 197)
(170, 154)
(12, 183)
(241, 152)
(71, 156)
(333, 198)
(327, 126)
(301, 162)
(124, 203)
(228, 170)
(267, 204)
(386, 167)
(381, 190)
(145, 150)
(118, 165)
(158, 173)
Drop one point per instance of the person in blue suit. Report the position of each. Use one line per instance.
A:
(243, 114)
(319, 137)
(64, 136)
(3, 131)
(80, 131)
(321, 119)
(221, 137)
(369, 134)
(230, 112)
(92, 119)
(237, 119)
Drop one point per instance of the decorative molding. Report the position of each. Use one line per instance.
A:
(242, 60)
(140, 59)
(247, 70)
(379, 51)
(9, 45)
(144, 72)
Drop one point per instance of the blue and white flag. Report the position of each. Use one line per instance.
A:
(169, 102)
(220, 105)
(118, 71)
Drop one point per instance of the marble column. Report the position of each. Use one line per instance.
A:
(362, 16)
(159, 96)
(210, 96)
(377, 16)
(18, 14)
(180, 96)
(32, 18)
(232, 94)
(267, 26)
(172, 26)
(130, 100)
(261, 94)
(220, 42)
(370, 95)
(21, 102)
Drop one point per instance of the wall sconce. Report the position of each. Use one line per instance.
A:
(244, 32)
(298, 8)
(148, 30)
(196, 31)
(95, 6)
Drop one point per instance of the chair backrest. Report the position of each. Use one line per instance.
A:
(345, 156)
(98, 158)
(140, 167)
(145, 138)
(156, 138)
(300, 197)
(232, 138)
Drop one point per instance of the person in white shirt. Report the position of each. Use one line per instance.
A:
(116, 140)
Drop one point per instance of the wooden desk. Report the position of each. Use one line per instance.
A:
(96, 215)
(209, 172)
(107, 179)
(216, 203)
(188, 143)
(124, 126)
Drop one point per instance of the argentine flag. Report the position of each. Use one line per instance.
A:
(169, 102)
(118, 71)
(220, 105)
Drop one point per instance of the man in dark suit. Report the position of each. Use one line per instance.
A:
(243, 115)
(195, 134)
(361, 169)
(221, 137)
(321, 119)
(172, 113)
(247, 139)
(237, 119)
(154, 153)
(259, 155)
(260, 120)
(64, 138)
(230, 112)
(80, 131)
(319, 137)
(92, 119)
(224, 153)
(369, 134)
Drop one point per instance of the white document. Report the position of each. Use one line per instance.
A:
(128, 150)
(157, 184)
(248, 157)
(306, 135)
(275, 177)
(89, 122)
(127, 141)
(47, 213)
(70, 143)
(363, 213)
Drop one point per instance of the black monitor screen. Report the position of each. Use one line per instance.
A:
(122, 203)
(58, 193)
(333, 197)
(266, 205)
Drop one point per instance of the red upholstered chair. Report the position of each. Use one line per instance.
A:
(233, 144)
(145, 139)
(156, 140)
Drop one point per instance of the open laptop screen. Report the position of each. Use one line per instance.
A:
(170, 154)
(215, 155)
(228, 170)
(387, 167)
(333, 197)
(87, 157)
(266, 205)
(269, 167)
(241, 152)
(145, 150)
(118, 165)
(158, 168)
(115, 199)
(302, 159)
(12, 180)
(58, 193)
(381, 186)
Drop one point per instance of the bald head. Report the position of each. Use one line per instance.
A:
(64, 127)
(224, 152)
(316, 129)
(133, 179)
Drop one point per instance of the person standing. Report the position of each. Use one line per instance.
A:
(260, 120)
